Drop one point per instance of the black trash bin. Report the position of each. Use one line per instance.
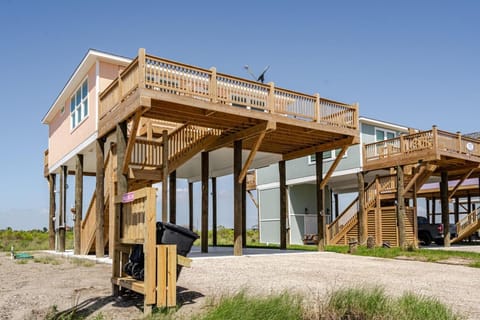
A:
(169, 233)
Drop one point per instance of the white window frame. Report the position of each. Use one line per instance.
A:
(333, 156)
(80, 108)
(385, 131)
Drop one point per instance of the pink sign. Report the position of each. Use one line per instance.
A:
(128, 197)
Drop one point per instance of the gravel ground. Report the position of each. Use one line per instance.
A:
(27, 291)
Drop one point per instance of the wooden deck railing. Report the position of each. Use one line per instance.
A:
(380, 184)
(465, 224)
(435, 140)
(163, 75)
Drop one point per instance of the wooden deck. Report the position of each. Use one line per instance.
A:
(448, 151)
(295, 124)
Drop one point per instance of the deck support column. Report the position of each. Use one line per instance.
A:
(283, 204)
(165, 176)
(362, 225)
(173, 196)
(204, 232)
(63, 209)
(427, 205)
(244, 212)
(122, 188)
(320, 208)
(100, 201)
(237, 198)
(51, 212)
(434, 210)
(457, 209)
(445, 209)
(190, 206)
(415, 214)
(78, 202)
(335, 198)
(214, 211)
(401, 207)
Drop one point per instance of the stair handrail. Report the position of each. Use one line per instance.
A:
(467, 221)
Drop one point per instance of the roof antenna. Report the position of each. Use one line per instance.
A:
(261, 77)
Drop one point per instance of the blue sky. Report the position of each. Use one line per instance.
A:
(414, 63)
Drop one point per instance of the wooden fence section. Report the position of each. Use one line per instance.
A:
(138, 226)
(425, 145)
(167, 76)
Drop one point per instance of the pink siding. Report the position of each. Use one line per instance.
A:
(62, 139)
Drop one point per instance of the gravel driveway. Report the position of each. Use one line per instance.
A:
(28, 290)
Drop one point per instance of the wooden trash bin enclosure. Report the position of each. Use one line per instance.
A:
(137, 225)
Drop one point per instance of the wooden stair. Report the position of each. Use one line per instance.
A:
(467, 226)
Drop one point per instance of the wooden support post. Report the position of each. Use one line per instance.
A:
(445, 209)
(237, 198)
(214, 211)
(457, 209)
(190, 206)
(362, 225)
(165, 175)
(427, 205)
(335, 197)
(244, 213)
(100, 202)
(51, 212)
(415, 212)
(401, 207)
(320, 209)
(122, 188)
(63, 208)
(204, 232)
(78, 203)
(469, 203)
(434, 213)
(283, 204)
(173, 196)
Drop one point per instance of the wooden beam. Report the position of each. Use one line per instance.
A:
(173, 196)
(63, 208)
(244, 213)
(190, 206)
(401, 207)
(78, 202)
(250, 194)
(237, 199)
(214, 211)
(251, 156)
(100, 202)
(204, 231)
(320, 202)
(283, 204)
(414, 179)
(122, 188)
(445, 208)
(462, 180)
(131, 140)
(362, 221)
(224, 141)
(319, 148)
(51, 212)
(164, 175)
(337, 211)
(333, 166)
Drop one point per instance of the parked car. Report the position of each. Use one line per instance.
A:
(428, 232)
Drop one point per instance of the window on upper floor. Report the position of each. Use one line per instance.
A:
(79, 105)
(327, 155)
(383, 134)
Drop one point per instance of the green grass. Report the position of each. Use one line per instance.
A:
(361, 303)
(416, 254)
(29, 240)
(244, 307)
(82, 262)
(47, 260)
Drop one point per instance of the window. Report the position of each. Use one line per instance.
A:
(79, 105)
(327, 155)
(382, 134)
